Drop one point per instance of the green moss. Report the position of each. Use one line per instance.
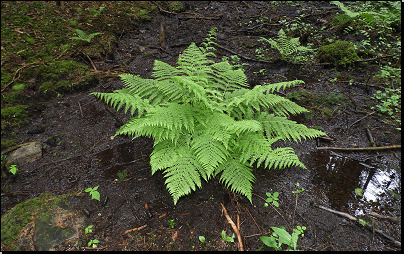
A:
(14, 220)
(17, 114)
(6, 143)
(175, 6)
(341, 21)
(12, 97)
(338, 53)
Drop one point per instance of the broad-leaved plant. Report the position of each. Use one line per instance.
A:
(206, 122)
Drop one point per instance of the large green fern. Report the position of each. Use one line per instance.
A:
(206, 122)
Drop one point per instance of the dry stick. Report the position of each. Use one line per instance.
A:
(81, 111)
(367, 225)
(253, 219)
(372, 142)
(274, 209)
(384, 217)
(135, 229)
(90, 61)
(360, 149)
(361, 119)
(240, 243)
(373, 59)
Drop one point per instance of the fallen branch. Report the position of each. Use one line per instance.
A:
(384, 217)
(361, 119)
(236, 231)
(360, 149)
(375, 58)
(135, 229)
(367, 225)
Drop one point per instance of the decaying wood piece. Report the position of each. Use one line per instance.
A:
(360, 149)
(135, 229)
(367, 225)
(235, 229)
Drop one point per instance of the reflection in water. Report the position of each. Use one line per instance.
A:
(338, 177)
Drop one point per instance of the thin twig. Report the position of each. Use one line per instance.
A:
(375, 58)
(81, 111)
(90, 61)
(367, 225)
(360, 149)
(372, 142)
(274, 209)
(34, 63)
(135, 229)
(361, 119)
(253, 219)
(236, 231)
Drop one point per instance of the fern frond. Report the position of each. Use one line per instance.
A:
(237, 176)
(225, 78)
(285, 129)
(184, 175)
(193, 61)
(161, 123)
(270, 88)
(120, 97)
(279, 158)
(245, 150)
(285, 46)
(164, 155)
(209, 152)
(256, 99)
(144, 88)
(163, 71)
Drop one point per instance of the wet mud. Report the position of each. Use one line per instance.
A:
(79, 152)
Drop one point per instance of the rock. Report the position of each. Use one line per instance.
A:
(25, 153)
(42, 224)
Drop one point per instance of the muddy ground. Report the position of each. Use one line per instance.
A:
(79, 152)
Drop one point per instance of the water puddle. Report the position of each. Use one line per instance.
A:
(336, 178)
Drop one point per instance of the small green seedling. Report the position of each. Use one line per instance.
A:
(94, 193)
(88, 229)
(298, 191)
(13, 169)
(362, 221)
(359, 192)
(171, 223)
(227, 239)
(272, 198)
(202, 238)
(122, 175)
(92, 243)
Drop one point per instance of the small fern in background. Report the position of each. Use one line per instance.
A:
(206, 122)
(289, 49)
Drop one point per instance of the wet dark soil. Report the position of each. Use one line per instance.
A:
(79, 151)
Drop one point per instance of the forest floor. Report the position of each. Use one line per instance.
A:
(47, 78)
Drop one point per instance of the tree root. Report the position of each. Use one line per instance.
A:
(235, 229)
(367, 225)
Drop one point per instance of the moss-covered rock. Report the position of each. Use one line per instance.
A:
(338, 53)
(40, 223)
